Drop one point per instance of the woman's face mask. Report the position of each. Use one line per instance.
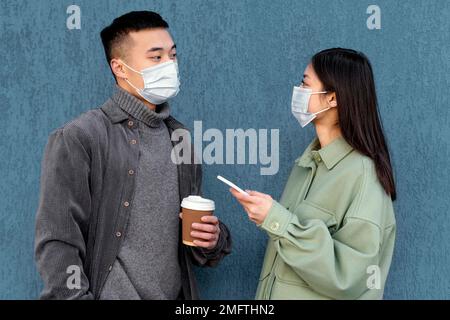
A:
(300, 103)
(161, 82)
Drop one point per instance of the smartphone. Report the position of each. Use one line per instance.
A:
(231, 184)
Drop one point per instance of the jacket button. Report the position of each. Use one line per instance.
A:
(274, 226)
(118, 234)
(131, 172)
(110, 268)
(133, 141)
(130, 123)
(126, 203)
(316, 157)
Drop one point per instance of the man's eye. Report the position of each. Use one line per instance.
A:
(156, 58)
(173, 55)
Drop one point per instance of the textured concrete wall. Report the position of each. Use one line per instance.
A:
(238, 63)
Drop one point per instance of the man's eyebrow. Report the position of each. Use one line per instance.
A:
(160, 49)
(154, 49)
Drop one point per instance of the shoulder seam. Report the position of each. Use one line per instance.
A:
(80, 130)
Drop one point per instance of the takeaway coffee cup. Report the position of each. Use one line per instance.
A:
(194, 208)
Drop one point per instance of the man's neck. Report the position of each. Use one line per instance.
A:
(133, 92)
(151, 106)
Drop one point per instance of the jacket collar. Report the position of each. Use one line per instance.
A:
(331, 154)
(116, 114)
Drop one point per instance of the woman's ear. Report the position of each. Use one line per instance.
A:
(332, 100)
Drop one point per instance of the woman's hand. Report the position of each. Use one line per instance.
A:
(257, 204)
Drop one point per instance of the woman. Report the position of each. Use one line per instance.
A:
(332, 234)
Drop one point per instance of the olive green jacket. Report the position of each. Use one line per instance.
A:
(332, 234)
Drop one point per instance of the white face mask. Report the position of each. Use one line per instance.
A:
(300, 102)
(161, 82)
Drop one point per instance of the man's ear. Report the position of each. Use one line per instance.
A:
(118, 69)
(332, 100)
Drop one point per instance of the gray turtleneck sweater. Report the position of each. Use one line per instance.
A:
(147, 266)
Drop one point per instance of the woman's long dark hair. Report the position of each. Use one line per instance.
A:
(349, 74)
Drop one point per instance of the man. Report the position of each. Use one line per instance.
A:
(110, 192)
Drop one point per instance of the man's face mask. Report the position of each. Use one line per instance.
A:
(300, 102)
(161, 82)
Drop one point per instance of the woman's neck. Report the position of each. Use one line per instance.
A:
(327, 133)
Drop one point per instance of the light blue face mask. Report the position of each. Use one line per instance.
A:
(161, 82)
(300, 102)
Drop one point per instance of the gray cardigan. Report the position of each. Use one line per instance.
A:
(84, 204)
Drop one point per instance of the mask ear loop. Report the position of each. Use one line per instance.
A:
(132, 85)
(320, 92)
(128, 81)
(316, 113)
(132, 68)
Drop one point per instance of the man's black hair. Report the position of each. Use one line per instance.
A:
(114, 34)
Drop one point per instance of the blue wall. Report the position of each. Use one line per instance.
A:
(238, 62)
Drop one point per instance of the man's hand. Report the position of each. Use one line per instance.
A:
(257, 204)
(207, 233)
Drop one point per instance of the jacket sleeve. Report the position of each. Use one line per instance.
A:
(334, 265)
(203, 257)
(62, 218)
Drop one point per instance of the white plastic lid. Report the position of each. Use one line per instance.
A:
(197, 203)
